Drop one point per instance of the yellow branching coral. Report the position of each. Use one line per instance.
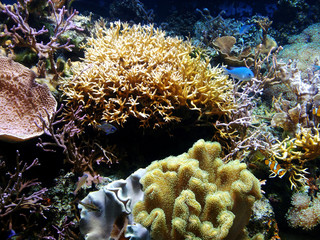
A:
(197, 196)
(138, 71)
(293, 153)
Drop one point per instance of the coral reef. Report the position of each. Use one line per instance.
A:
(158, 88)
(139, 72)
(197, 195)
(22, 100)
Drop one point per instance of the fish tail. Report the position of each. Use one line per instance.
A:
(226, 71)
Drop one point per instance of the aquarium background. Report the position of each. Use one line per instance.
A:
(110, 112)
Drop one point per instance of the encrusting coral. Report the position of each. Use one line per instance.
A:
(197, 196)
(139, 72)
(22, 100)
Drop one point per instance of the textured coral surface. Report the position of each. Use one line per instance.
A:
(139, 72)
(197, 195)
(21, 101)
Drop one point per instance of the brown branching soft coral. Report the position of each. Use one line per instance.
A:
(139, 72)
(224, 47)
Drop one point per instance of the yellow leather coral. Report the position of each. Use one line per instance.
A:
(197, 196)
(21, 102)
(139, 72)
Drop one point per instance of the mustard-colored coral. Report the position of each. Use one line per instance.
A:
(197, 196)
(140, 72)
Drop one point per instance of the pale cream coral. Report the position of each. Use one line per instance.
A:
(197, 195)
(141, 73)
(305, 213)
(21, 101)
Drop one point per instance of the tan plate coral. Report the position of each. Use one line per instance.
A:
(197, 196)
(140, 72)
(21, 101)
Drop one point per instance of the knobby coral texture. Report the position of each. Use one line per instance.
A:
(21, 102)
(191, 196)
(197, 196)
(140, 72)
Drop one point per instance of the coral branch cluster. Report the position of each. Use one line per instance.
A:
(139, 72)
(21, 34)
(15, 194)
(293, 153)
(238, 132)
(80, 150)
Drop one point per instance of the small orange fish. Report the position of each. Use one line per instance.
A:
(316, 106)
(275, 168)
